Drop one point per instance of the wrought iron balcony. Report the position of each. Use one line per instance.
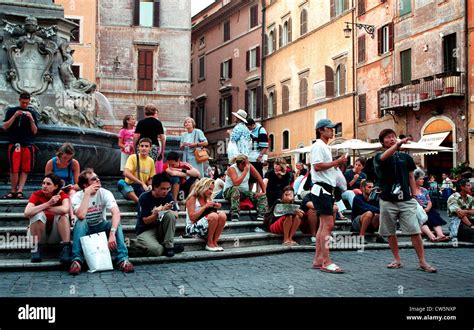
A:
(447, 84)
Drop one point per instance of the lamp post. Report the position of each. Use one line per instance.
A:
(370, 29)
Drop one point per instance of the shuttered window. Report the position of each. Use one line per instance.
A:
(146, 13)
(329, 81)
(145, 70)
(226, 30)
(405, 7)
(253, 16)
(303, 22)
(361, 49)
(449, 53)
(361, 7)
(362, 108)
(202, 68)
(303, 93)
(405, 64)
(285, 99)
(340, 80)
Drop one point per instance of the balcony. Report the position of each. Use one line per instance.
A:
(442, 85)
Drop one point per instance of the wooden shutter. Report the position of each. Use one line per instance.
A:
(390, 37)
(405, 64)
(303, 22)
(258, 56)
(346, 5)
(285, 99)
(280, 36)
(379, 40)
(289, 30)
(254, 16)
(265, 45)
(274, 40)
(379, 111)
(247, 61)
(275, 103)
(361, 7)
(136, 12)
(145, 70)
(258, 112)
(329, 77)
(230, 68)
(265, 106)
(226, 31)
(222, 70)
(229, 114)
(156, 13)
(361, 49)
(221, 113)
(362, 108)
(303, 92)
(342, 80)
(333, 9)
(247, 101)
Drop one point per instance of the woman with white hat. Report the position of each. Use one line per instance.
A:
(240, 134)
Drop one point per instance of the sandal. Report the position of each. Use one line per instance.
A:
(10, 195)
(395, 265)
(332, 268)
(427, 268)
(314, 266)
(19, 195)
(443, 239)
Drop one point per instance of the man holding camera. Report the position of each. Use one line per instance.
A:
(21, 123)
(397, 182)
(156, 222)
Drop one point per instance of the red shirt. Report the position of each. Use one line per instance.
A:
(181, 166)
(39, 198)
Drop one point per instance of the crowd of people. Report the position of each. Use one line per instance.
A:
(308, 198)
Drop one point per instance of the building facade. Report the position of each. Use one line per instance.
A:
(470, 79)
(308, 71)
(143, 56)
(418, 57)
(83, 41)
(225, 68)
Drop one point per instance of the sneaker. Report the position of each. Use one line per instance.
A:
(169, 252)
(313, 239)
(75, 268)
(380, 239)
(126, 267)
(234, 218)
(66, 254)
(36, 255)
(258, 230)
(178, 248)
(212, 249)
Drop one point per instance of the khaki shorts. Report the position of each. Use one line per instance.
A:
(405, 212)
(47, 238)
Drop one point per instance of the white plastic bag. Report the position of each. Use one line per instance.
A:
(232, 150)
(421, 215)
(96, 251)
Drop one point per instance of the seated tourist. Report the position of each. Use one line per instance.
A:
(90, 206)
(276, 179)
(156, 222)
(284, 224)
(138, 172)
(202, 215)
(219, 178)
(354, 177)
(461, 212)
(434, 221)
(310, 220)
(65, 166)
(183, 175)
(236, 187)
(447, 187)
(48, 210)
(366, 212)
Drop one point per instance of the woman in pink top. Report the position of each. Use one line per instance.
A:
(126, 139)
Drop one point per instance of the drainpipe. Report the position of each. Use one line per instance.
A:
(468, 89)
(354, 83)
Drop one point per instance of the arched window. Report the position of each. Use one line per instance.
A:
(285, 99)
(270, 104)
(340, 80)
(286, 140)
(303, 92)
(270, 42)
(303, 22)
(271, 142)
(285, 34)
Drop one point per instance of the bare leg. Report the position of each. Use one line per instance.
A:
(37, 230)
(420, 251)
(22, 181)
(294, 226)
(212, 219)
(132, 197)
(365, 221)
(222, 218)
(64, 229)
(439, 231)
(313, 222)
(175, 191)
(426, 230)
(14, 181)
(287, 224)
(393, 242)
(322, 237)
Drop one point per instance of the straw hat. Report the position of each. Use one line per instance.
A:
(241, 114)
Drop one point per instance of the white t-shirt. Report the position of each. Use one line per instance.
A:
(320, 153)
(98, 204)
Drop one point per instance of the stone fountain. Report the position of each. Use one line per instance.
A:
(35, 56)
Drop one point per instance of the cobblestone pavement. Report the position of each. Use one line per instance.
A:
(281, 275)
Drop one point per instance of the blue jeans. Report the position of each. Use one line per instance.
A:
(81, 228)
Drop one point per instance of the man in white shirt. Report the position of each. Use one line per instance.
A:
(90, 205)
(323, 175)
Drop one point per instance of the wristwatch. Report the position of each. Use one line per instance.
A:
(113, 230)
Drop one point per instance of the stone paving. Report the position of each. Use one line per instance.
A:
(280, 275)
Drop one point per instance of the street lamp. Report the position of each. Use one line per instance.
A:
(370, 29)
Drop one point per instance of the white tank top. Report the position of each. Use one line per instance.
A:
(197, 206)
(244, 186)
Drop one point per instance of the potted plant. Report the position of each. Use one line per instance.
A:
(449, 90)
(438, 92)
(424, 95)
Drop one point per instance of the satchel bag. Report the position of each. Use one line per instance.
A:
(96, 251)
(201, 154)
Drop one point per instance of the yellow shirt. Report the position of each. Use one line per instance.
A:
(147, 168)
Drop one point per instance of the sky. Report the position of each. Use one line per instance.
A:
(198, 5)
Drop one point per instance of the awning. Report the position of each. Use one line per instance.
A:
(433, 140)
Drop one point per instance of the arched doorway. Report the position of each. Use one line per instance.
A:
(441, 162)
